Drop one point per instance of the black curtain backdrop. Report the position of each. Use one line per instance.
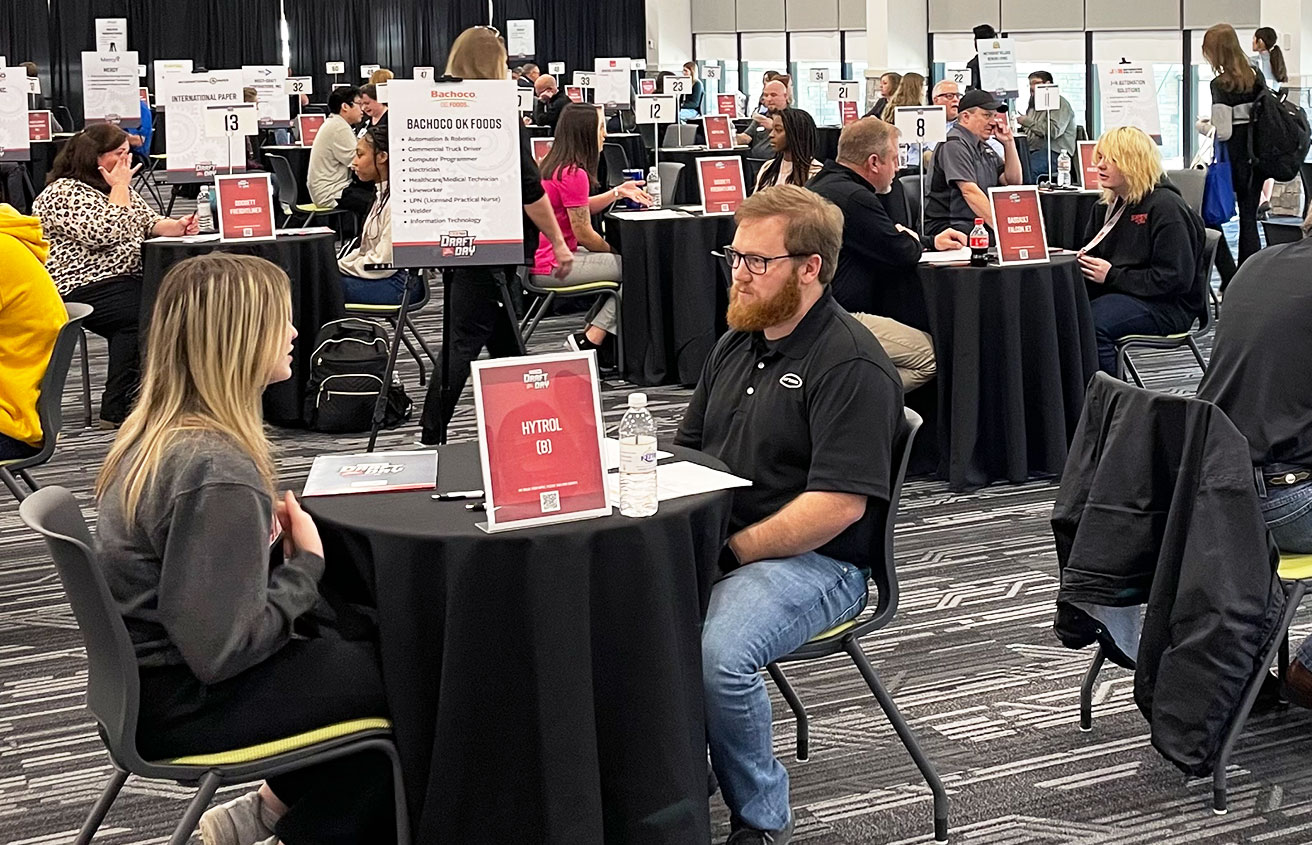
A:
(215, 34)
(576, 33)
(396, 34)
(25, 35)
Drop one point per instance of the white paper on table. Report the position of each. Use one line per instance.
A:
(946, 256)
(611, 453)
(681, 478)
(306, 230)
(186, 239)
(651, 214)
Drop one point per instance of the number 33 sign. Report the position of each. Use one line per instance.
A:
(655, 109)
(921, 124)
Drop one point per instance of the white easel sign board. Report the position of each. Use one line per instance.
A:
(520, 39)
(455, 173)
(111, 35)
(997, 67)
(245, 205)
(1129, 98)
(270, 83)
(165, 71)
(109, 89)
(610, 87)
(921, 124)
(193, 154)
(15, 143)
(540, 439)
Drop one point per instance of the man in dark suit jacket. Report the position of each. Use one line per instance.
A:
(551, 101)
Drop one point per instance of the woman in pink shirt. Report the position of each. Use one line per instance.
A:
(569, 178)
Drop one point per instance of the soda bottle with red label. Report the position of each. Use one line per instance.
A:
(979, 244)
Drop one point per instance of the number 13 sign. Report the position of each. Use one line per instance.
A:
(921, 124)
(655, 109)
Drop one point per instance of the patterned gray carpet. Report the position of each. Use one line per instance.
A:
(970, 660)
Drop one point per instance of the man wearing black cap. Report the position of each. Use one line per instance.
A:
(965, 167)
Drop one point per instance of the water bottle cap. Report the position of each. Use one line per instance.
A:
(979, 221)
(637, 400)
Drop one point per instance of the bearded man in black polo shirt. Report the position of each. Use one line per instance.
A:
(800, 398)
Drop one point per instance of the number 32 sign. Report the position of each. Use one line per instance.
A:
(655, 109)
(921, 124)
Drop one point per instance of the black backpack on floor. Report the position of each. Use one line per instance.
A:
(1279, 139)
(346, 374)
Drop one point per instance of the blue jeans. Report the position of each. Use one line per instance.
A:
(385, 291)
(1288, 514)
(1042, 165)
(759, 613)
(1116, 315)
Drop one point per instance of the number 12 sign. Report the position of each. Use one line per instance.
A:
(655, 109)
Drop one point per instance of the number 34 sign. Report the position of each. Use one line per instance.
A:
(655, 109)
(921, 124)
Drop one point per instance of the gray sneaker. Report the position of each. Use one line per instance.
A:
(752, 836)
(238, 822)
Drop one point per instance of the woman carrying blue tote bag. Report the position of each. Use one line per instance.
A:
(1219, 189)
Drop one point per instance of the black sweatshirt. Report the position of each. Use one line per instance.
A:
(1154, 250)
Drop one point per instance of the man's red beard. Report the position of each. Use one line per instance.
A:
(762, 314)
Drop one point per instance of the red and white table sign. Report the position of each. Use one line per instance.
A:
(541, 146)
(540, 439)
(307, 126)
(719, 132)
(245, 206)
(1088, 170)
(1018, 225)
(848, 111)
(727, 104)
(39, 126)
(646, 86)
(722, 185)
(574, 92)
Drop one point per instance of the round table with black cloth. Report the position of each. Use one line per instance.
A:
(1015, 348)
(535, 131)
(544, 684)
(1066, 216)
(675, 294)
(826, 142)
(310, 263)
(690, 192)
(299, 158)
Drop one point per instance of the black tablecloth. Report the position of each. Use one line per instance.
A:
(299, 158)
(43, 158)
(675, 294)
(539, 131)
(544, 684)
(826, 142)
(689, 192)
(1066, 216)
(1015, 349)
(311, 265)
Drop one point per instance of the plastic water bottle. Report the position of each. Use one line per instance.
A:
(653, 186)
(1064, 170)
(204, 215)
(637, 459)
(979, 244)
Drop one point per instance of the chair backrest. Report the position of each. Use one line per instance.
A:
(314, 108)
(911, 198)
(65, 118)
(884, 571)
(50, 400)
(671, 136)
(284, 181)
(1281, 233)
(671, 173)
(1081, 134)
(1203, 278)
(113, 687)
(680, 135)
(1190, 184)
(617, 161)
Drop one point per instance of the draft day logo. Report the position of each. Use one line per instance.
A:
(536, 379)
(383, 468)
(458, 244)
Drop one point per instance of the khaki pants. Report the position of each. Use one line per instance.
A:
(910, 350)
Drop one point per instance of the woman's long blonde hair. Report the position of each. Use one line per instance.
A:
(217, 331)
(1223, 52)
(1137, 157)
(478, 53)
(910, 92)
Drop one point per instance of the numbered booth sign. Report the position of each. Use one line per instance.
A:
(842, 89)
(711, 71)
(584, 78)
(540, 439)
(819, 75)
(424, 74)
(656, 109)
(335, 68)
(677, 85)
(555, 68)
(921, 124)
(1018, 225)
(295, 85)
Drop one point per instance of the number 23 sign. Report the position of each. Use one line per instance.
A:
(655, 109)
(921, 124)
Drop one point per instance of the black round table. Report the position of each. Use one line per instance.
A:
(544, 684)
(299, 158)
(689, 191)
(675, 293)
(311, 265)
(826, 142)
(1015, 348)
(1066, 216)
(535, 131)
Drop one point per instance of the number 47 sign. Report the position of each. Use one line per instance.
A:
(921, 124)
(655, 109)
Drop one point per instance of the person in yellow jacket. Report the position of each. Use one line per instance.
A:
(31, 314)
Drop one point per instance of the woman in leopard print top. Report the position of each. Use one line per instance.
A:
(95, 223)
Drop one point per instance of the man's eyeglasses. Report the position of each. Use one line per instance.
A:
(757, 265)
(947, 96)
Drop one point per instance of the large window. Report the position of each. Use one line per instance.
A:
(1062, 55)
(1162, 50)
(814, 51)
(720, 50)
(762, 51)
(854, 46)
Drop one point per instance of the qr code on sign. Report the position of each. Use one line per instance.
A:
(550, 501)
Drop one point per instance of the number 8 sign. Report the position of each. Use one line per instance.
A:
(655, 109)
(842, 89)
(921, 124)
